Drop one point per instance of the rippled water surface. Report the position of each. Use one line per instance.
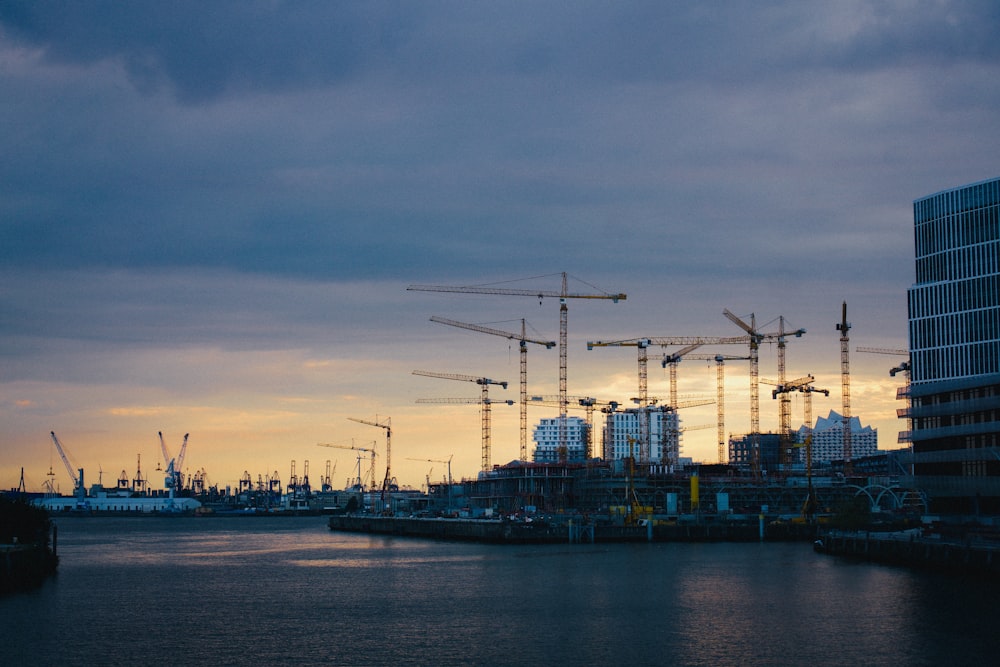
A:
(283, 590)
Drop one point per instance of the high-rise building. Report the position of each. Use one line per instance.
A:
(624, 435)
(954, 331)
(546, 437)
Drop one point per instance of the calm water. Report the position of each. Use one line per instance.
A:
(282, 591)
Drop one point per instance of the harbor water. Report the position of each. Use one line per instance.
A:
(288, 591)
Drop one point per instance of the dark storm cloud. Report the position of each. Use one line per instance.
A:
(202, 50)
(205, 50)
(333, 140)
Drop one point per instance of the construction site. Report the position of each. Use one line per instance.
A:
(620, 462)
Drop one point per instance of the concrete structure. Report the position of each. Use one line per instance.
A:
(828, 439)
(546, 437)
(954, 332)
(768, 456)
(623, 433)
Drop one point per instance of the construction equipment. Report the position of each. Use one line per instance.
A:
(360, 480)
(562, 295)
(904, 367)
(173, 479)
(522, 340)
(580, 403)
(75, 475)
(845, 385)
(448, 462)
(484, 401)
(642, 345)
(755, 339)
(387, 425)
(783, 389)
(720, 393)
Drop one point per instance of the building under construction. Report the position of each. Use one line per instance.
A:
(601, 487)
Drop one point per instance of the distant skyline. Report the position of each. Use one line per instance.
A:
(210, 213)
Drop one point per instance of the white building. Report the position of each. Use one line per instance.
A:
(828, 439)
(623, 435)
(546, 437)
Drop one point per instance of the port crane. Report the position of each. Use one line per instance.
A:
(523, 341)
(387, 425)
(484, 401)
(75, 475)
(173, 475)
(562, 295)
(371, 470)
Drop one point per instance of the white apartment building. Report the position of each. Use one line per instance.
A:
(623, 435)
(828, 439)
(546, 437)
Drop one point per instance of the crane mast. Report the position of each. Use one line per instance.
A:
(387, 425)
(642, 345)
(522, 340)
(562, 295)
(371, 472)
(484, 401)
(756, 337)
(845, 384)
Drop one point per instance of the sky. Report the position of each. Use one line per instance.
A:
(210, 214)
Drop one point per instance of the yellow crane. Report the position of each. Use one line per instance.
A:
(522, 340)
(562, 295)
(845, 385)
(484, 401)
(580, 403)
(642, 345)
(720, 395)
(782, 389)
(756, 337)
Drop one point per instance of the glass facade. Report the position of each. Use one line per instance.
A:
(954, 332)
(954, 306)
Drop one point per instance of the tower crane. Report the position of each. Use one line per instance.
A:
(845, 384)
(720, 392)
(522, 340)
(448, 462)
(387, 425)
(580, 403)
(484, 401)
(690, 343)
(904, 367)
(782, 389)
(371, 470)
(756, 337)
(562, 295)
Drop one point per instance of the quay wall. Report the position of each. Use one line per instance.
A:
(981, 559)
(511, 532)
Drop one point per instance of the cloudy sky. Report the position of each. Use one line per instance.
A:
(210, 212)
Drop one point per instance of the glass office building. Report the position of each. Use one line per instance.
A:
(954, 332)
